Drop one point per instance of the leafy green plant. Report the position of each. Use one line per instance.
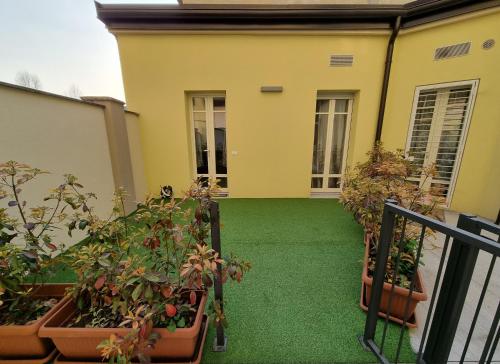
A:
(388, 175)
(27, 245)
(148, 270)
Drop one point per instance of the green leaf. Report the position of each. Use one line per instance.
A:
(171, 326)
(148, 294)
(80, 303)
(137, 291)
(181, 322)
(152, 277)
(104, 262)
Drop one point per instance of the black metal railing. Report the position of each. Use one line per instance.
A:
(220, 340)
(449, 293)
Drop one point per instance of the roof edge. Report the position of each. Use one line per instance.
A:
(300, 17)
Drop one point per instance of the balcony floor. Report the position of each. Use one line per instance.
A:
(300, 302)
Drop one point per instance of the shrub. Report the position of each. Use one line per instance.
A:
(388, 175)
(149, 270)
(27, 246)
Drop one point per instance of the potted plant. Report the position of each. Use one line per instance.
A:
(142, 284)
(27, 260)
(388, 175)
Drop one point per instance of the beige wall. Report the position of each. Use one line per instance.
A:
(63, 135)
(60, 136)
(134, 138)
(272, 134)
(477, 188)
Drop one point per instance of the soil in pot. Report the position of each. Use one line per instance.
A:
(20, 339)
(401, 294)
(81, 342)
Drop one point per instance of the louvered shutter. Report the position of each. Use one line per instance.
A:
(438, 133)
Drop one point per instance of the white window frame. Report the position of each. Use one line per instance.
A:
(210, 135)
(465, 132)
(331, 115)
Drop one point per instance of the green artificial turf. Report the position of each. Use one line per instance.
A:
(300, 302)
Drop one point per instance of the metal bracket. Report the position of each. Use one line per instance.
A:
(220, 348)
(362, 342)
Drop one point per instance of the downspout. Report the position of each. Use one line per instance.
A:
(385, 82)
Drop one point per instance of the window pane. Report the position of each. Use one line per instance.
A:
(219, 104)
(337, 152)
(322, 105)
(222, 182)
(220, 142)
(334, 182)
(341, 105)
(200, 138)
(204, 181)
(319, 144)
(198, 103)
(317, 182)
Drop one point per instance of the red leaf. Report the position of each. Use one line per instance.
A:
(51, 246)
(192, 297)
(100, 282)
(170, 310)
(166, 291)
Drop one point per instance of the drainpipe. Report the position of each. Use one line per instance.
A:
(385, 82)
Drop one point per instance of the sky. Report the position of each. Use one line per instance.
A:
(63, 43)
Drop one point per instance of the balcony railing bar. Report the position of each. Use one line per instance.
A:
(495, 343)
(412, 288)
(463, 235)
(478, 308)
(450, 286)
(433, 297)
(393, 286)
(489, 339)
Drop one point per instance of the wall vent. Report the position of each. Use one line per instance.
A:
(341, 60)
(454, 50)
(488, 44)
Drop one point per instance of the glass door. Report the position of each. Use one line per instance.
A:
(209, 128)
(331, 136)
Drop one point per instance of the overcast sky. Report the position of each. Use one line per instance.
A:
(63, 43)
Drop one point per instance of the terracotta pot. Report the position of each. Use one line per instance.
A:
(367, 238)
(196, 359)
(22, 341)
(81, 343)
(398, 303)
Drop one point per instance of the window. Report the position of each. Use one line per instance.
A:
(209, 134)
(331, 134)
(438, 130)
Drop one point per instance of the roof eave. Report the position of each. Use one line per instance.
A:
(300, 17)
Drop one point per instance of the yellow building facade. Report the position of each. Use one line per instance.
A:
(282, 111)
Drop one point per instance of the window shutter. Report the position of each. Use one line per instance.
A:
(437, 133)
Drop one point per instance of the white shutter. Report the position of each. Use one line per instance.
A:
(438, 129)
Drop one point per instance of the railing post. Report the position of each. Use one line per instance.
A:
(384, 243)
(454, 287)
(220, 341)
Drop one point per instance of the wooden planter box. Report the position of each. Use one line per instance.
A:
(81, 343)
(398, 303)
(22, 341)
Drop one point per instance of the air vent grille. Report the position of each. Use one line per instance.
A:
(341, 60)
(488, 44)
(455, 50)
